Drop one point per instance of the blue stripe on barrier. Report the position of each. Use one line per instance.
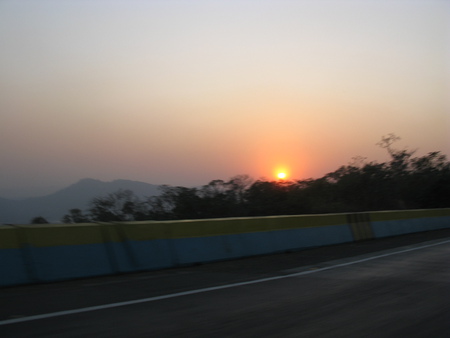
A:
(29, 263)
(153, 254)
(13, 268)
(67, 262)
(407, 226)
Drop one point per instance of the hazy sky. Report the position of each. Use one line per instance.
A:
(184, 92)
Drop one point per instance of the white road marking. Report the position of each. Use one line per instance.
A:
(213, 288)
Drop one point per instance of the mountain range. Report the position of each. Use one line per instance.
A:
(54, 206)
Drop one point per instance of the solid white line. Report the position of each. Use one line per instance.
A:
(213, 288)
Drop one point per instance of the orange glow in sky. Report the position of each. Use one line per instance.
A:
(186, 92)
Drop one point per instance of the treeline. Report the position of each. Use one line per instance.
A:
(403, 182)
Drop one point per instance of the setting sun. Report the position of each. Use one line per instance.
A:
(281, 172)
(281, 176)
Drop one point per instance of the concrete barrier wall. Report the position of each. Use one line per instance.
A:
(393, 223)
(47, 253)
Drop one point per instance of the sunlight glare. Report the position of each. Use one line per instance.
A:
(281, 176)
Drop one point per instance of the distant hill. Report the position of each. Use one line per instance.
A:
(54, 206)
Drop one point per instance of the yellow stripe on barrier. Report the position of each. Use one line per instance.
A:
(143, 231)
(149, 230)
(57, 235)
(407, 214)
(94, 233)
(8, 238)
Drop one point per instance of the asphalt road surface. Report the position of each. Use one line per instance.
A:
(394, 287)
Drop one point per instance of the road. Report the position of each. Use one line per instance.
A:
(394, 287)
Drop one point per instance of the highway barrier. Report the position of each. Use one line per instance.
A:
(48, 253)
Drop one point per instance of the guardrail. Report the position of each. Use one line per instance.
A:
(48, 253)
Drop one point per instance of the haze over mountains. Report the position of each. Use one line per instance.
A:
(54, 206)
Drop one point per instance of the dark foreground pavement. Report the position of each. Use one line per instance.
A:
(393, 287)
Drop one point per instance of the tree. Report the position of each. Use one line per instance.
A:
(268, 198)
(121, 205)
(429, 184)
(358, 188)
(39, 220)
(75, 216)
(387, 141)
(239, 184)
(402, 182)
(185, 202)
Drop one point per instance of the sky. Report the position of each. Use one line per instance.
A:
(185, 92)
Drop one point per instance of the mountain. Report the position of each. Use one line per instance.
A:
(54, 206)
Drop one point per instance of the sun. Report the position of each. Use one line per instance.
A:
(281, 172)
(281, 175)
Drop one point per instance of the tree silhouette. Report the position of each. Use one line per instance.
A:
(75, 216)
(121, 205)
(39, 220)
(402, 182)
